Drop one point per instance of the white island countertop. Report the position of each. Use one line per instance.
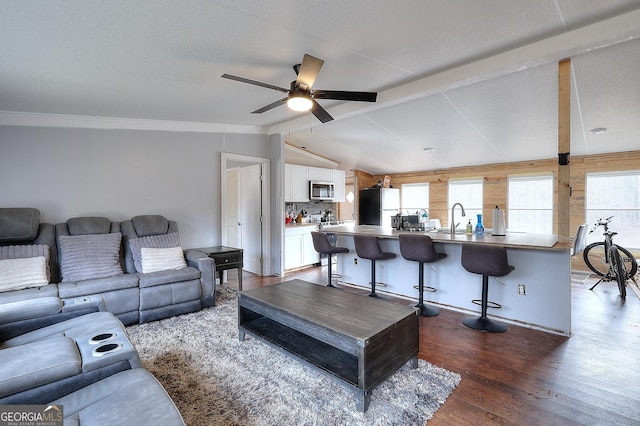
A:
(512, 239)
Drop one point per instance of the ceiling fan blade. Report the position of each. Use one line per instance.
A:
(309, 70)
(320, 112)
(345, 95)
(254, 82)
(270, 106)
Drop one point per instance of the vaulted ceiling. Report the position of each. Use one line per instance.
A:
(476, 81)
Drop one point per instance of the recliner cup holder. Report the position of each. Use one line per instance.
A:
(107, 349)
(100, 338)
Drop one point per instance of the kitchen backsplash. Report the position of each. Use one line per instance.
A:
(312, 208)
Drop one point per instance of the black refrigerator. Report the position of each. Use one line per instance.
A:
(376, 206)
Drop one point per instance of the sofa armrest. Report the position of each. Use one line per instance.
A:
(207, 268)
(93, 303)
(39, 363)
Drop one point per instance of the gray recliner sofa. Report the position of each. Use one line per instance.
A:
(53, 361)
(91, 264)
(55, 347)
(28, 291)
(166, 293)
(130, 293)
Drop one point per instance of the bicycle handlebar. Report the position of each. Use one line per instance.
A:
(601, 222)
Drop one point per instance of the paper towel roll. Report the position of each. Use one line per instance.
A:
(499, 227)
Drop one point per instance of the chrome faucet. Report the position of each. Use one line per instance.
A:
(453, 227)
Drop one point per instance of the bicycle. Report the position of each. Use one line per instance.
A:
(610, 261)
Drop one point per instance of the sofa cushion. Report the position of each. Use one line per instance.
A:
(171, 239)
(35, 364)
(17, 274)
(49, 290)
(19, 224)
(68, 289)
(29, 309)
(84, 257)
(168, 277)
(161, 259)
(131, 397)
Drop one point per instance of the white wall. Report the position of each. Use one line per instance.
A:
(121, 173)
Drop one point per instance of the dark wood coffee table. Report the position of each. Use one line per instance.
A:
(356, 340)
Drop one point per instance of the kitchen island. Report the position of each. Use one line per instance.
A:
(542, 266)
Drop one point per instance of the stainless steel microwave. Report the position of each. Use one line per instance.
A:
(323, 191)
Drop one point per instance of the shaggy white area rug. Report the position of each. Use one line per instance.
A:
(215, 379)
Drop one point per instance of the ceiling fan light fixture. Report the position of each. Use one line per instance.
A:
(299, 101)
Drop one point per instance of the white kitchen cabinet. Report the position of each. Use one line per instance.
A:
(309, 254)
(298, 246)
(296, 183)
(293, 251)
(320, 174)
(338, 180)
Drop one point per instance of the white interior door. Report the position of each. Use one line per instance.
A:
(250, 213)
(232, 212)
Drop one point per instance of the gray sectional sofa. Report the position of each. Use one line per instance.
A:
(94, 263)
(66, 293)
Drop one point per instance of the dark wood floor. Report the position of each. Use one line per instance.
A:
(529, 377)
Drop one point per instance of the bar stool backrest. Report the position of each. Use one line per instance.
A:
(486, 260)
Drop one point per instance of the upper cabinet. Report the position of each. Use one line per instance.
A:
(296, 182)
(320, 175)
(338, 184)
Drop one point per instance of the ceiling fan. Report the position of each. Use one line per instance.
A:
(300, 96)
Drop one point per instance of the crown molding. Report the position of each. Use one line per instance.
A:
(30, 119)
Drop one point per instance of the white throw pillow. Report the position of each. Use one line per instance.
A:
(17, 274)
(161, 259)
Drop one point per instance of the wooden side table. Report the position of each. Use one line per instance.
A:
(225, 258)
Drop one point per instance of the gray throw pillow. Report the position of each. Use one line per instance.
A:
(84, 257)
(152, 241)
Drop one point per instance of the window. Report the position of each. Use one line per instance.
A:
(617, 195)
(530, 204)
(469, 194)
(415, 197)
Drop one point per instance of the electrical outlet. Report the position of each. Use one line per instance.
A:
(522, 290)
(355, 260)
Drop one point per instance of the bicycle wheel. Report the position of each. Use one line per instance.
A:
(629, 262)
(595, 258)
(619, 269)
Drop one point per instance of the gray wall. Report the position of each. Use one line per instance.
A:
(122, 173)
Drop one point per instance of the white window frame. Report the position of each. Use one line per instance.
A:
(626, 220)
(411, 209)
(471, 209)
(549, 209)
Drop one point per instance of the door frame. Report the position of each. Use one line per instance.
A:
(227, 158)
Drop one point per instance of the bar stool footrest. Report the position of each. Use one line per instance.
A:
(426, 288)
(490, 304)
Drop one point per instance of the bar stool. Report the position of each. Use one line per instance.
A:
(367, 247)
(488, 261)
(323, 246)
(419, 248)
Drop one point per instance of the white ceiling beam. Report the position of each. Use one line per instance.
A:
(553, 49)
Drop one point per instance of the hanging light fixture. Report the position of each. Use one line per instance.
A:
(299, 101)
